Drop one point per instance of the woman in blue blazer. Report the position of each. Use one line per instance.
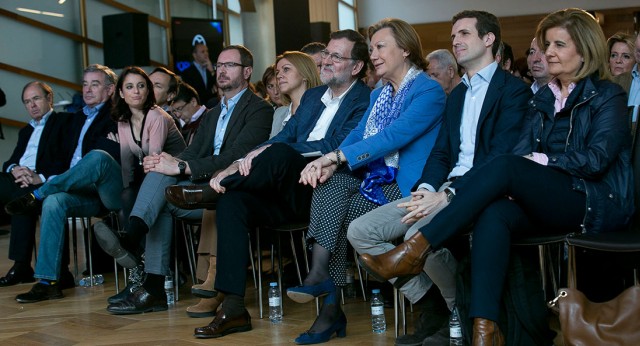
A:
(381, 159)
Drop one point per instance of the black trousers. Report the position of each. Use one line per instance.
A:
(23, 227)
(542, 200)
(269, 195)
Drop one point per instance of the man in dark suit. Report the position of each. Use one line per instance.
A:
(263, 188)
(89, 129)
(200, 75)
(241, 121)
(482, 120)
(34, 159)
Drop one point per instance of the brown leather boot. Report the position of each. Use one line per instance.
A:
(407, 259)
(205, 289)
(206, 307)
(486, 333)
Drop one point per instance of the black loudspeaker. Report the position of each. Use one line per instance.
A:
(291, 18)
(126, 39)
(320, 31)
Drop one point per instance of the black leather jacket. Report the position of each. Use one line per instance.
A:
(596, 152)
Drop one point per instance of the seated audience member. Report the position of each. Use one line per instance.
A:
(295, 73)
(97, 179)
(261, 90)
(34, 160)
(270, 82)
(384, 154)
(482, 120)
(263, 188)
(554, 185)
(187, 108)
(165, 87)
(201, 75)
(443, 68)
(538, 66)
(630, 82)
(241, 121)
(621, 50)
(314, 49)
(85, 130)
(505, 57)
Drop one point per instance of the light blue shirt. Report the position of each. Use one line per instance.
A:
(91, 115)
(223, 119)
(30, 154)
(634, 91)
(477, 88)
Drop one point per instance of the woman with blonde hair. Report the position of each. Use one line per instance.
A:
(295, 73)
(621, 48)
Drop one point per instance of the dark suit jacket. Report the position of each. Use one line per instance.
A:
(298, 128)
(96, 135)
(192, 76)
(49, 160)
(249, 125)
(501, 118)
(624, 80)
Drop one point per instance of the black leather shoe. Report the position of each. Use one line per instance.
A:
(23, 205)
(40, 292)
(137, 302)
(111, 243)
(15, 276)
(127, 291)
(66, 280)
(221, 326)
(191, 196)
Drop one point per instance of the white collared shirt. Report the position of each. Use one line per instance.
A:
(332, 104)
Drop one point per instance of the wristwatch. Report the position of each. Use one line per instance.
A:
(449, 194)
(182, 166)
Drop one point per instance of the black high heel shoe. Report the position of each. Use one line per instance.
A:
(339, 327)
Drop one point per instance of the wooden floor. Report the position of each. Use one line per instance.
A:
(81, 319)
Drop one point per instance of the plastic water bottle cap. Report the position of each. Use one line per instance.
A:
(273, 284)
(374, 291)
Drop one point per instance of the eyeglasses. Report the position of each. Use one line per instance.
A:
(227, 65)
(334, 56)
(179, 109)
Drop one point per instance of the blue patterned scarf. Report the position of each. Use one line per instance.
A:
(385, 110)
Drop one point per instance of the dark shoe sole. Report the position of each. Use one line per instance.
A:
(140, 311)
(203, 293)
(110, 243)
(226, 332)
(201, 314)
(24, 281)
(28, 301)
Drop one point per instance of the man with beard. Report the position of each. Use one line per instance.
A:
(538, 66)
(263, 188)
(241, 121)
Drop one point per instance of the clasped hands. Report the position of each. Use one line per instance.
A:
(25, 176)
(423, 202)
(162, 163)
(319, 170)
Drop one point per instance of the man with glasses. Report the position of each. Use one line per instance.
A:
(33, 160)
(187, 109)
(263, 189)
(241, 121)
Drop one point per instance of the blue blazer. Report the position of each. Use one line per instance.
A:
(413, 134)
(298, 128)
(501, 118)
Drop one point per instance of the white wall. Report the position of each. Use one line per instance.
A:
(423, 11)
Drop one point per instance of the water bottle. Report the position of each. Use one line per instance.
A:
(350, 290)
(86, 281)
(168, 289)
(378, 322)
(455, 329)
(275, 307)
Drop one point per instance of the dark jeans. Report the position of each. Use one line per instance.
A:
(542, 200)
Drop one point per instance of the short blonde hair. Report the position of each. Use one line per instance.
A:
(406, 37)
(623, 38)
(306, 68)
(590, 41)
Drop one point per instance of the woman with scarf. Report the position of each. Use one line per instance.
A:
(398, 130)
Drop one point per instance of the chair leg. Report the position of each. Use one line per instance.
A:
(74, 239)
(360, 276)
(115, 270)
(90, 244)
(176, 274)
(306, 263)
(253, 264)
(295, 258)
(280, 271)
(395, 311)
(187, 234)
(259, 272)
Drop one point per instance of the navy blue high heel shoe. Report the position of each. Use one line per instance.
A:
(339, 327)
(305, 294)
